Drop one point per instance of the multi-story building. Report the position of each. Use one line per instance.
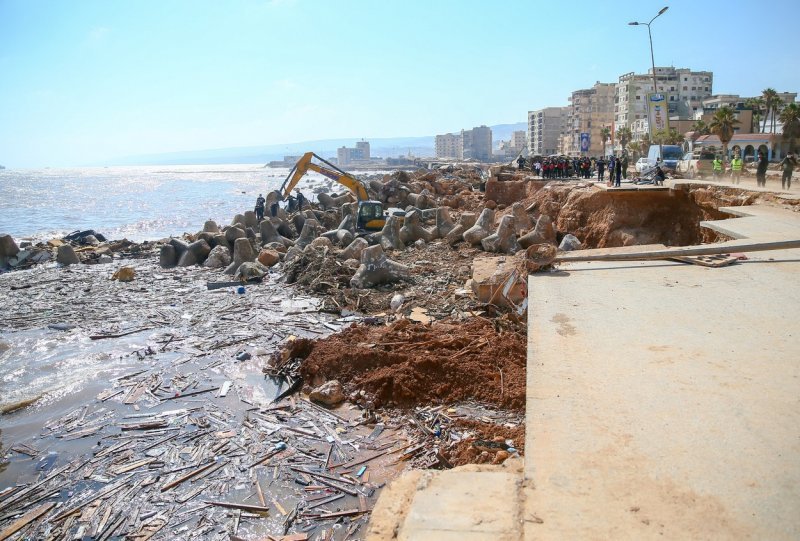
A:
(519, 140)
(589, 111)
(475, 143)
(346, 155)
(686, 90)
(448, 145)
(545, 127)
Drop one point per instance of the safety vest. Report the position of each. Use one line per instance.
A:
(736, 164)
(717, 164)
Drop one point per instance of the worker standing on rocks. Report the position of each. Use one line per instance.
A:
(301, 199)
(260, 202)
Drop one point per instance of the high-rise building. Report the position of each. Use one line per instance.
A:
(347, 155)
(519, 140)
(545, 127)
(475, 143)
(686, 90)
(589, 111)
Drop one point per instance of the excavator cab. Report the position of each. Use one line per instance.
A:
(370, 216)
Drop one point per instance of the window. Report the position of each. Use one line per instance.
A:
(686, 88)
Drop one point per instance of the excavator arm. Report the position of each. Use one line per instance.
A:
(305, 164)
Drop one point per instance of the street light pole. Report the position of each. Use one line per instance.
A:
(655, 83)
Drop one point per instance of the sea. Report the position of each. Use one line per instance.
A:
(137, 203)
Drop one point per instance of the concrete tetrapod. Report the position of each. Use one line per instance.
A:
(197, 252)
(390, 238)
(504, 240)
(523, 221)
(210, 227)
(421, 200)
(544, 232)
(329, 202)
(242, 253)
(250, 219)
(270, 234)
(412, 229)
(239, 221)
(342, 235)
(377, 269)
(233, 233)
(309, 233)
(465, 221)
(482, 228)
(354, 249)
(444, 223)
(168, 257)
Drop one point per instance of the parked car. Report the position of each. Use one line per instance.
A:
(641, 164)
(695, 165)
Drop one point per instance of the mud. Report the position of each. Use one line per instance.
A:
(407, 364)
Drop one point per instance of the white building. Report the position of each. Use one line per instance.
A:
(545, 127)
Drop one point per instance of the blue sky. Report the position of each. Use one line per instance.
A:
(86, 81)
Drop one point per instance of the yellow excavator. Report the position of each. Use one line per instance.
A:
(370, 213)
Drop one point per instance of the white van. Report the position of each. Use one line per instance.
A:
(669, 161)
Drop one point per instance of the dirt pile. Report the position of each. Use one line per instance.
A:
(406, 364)
(601, 219)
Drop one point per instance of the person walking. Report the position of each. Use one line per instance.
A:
(618, 171)
(260, 207)
(736, 169)
(788, 163)
(761, 170)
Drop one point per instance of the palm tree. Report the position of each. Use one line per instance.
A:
(790, 118)
(700, 128)
(723, 125)
(769, 95)
(605, 135)
(625, 136)
(777, 106)
(756, 105)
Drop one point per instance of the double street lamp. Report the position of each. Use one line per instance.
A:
(655, 84)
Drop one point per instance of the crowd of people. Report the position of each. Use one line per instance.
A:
(564, 167)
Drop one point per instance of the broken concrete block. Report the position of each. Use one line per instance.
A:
(376, 269)
(269, 258)
(390, 238)
(544, 232)
(354, 249)
(482, 228)
(504, 240)
(67, 256)
(412, 229)
(491, 275)
(250, 270)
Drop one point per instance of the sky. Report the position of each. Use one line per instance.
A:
(83, 81)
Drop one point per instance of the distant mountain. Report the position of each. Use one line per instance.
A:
(382, 147)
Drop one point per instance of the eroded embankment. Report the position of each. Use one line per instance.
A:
(605, 219)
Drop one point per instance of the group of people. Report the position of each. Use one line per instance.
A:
(563, 167)
(736, 166)
(292, 204)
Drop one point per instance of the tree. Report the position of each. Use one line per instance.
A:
(777, 107)
(700, 128)
(625, 136)
(790, 118)
(605, 135)
(668, 137)
(723, 125)
(770, 96)
(756, 105)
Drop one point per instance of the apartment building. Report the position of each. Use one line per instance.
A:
(545, 127)
(469, 144)
(589, 111)
(359, 153)
(448, 145)
(686, 90)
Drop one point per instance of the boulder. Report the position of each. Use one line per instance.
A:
(124, 274)
(67, 256)
(8, 248)
(269, 258)
(218, 258)
(250, 270)
(168, 257)
(569, 243)
(377, 269)
(90, 240)
(210, 227)
(329, 393)
(195, 254)
(482, 228)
